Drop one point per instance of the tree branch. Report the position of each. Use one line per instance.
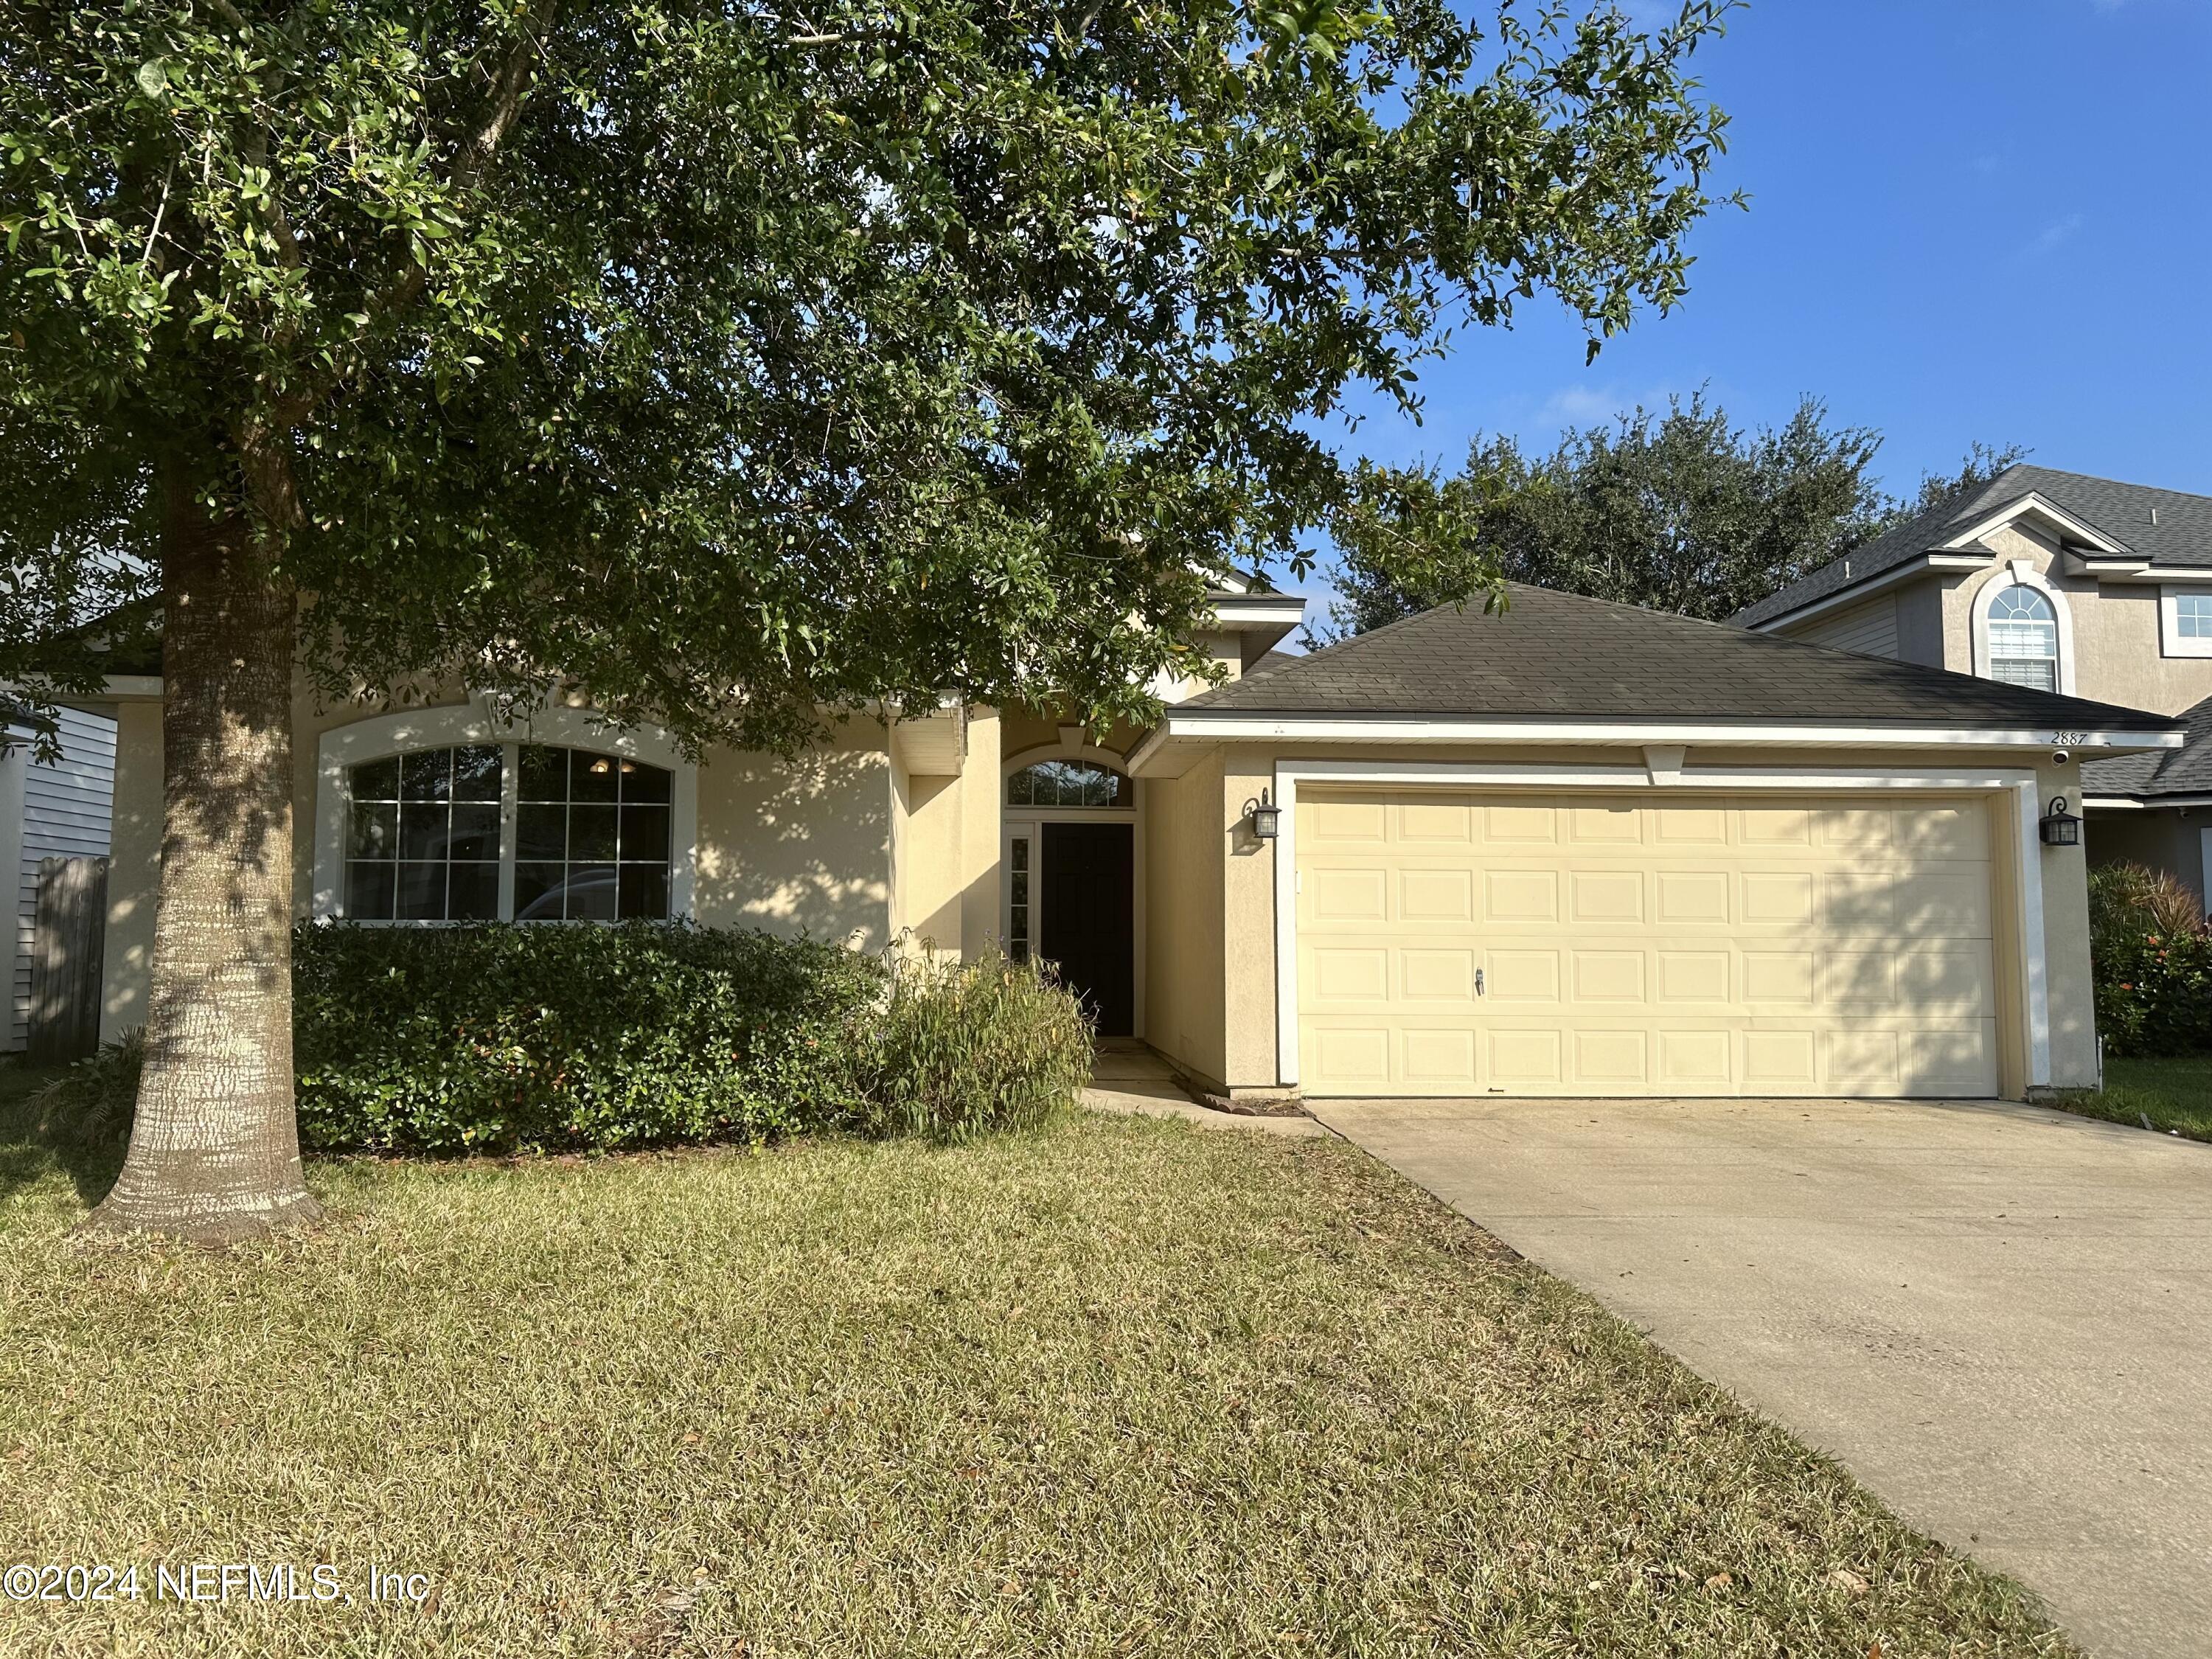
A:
(476, 153)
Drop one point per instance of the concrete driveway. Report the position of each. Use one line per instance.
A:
(1999, 1317)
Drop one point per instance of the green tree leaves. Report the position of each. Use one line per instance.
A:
(734, 363)
(1681, 511)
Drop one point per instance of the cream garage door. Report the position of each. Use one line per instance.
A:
(1470, 944)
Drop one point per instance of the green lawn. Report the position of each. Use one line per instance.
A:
(2174, 1095)
(1120, 1386)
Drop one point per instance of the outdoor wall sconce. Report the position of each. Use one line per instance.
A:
(2060, 827)
(1267, 817)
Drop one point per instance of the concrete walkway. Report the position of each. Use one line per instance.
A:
(1999, 1317)
(1130, 1078)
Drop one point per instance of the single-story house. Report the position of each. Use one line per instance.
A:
(1575, 848)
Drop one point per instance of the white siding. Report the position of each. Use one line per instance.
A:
(65, 815)
(1870, 628)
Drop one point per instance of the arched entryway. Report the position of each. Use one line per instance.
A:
(1069, 895)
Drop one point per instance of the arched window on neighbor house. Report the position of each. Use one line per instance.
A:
(2023, 636)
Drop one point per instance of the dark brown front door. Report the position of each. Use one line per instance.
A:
(1088, 924)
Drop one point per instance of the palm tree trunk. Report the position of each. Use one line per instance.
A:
(215, 1151)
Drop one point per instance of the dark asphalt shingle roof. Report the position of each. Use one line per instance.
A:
(1558, 656)
(2181, 537)
(2183, 771)
(1272, 660)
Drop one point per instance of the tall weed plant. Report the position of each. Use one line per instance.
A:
(964, 1048)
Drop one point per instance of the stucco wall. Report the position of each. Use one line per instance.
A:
(1185, 978)
(1249, 1060)
(946, 832)
(791, 847)
(2117, 653)
(799, 847)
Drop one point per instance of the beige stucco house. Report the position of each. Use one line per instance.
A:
(1574, 848)
(2063, 582)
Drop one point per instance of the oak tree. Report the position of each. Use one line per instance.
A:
(734, 364)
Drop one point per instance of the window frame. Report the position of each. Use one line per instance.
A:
(473, 723)
(2045, 625)
(2022, 573)
(1128, 790)
(2172, 642)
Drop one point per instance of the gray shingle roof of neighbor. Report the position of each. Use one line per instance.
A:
(1272, 661)
(2180, 537)
(1558, 656)
(2183, 771)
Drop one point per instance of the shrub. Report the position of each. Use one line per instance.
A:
(90, 1105)
(2151, 958)
(497, 1038)
(963, 1048)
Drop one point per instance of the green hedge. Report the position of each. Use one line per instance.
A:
(2151, 957)
(498, 1036)
(495, 1037)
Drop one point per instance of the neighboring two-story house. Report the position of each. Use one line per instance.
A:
(2064, 583)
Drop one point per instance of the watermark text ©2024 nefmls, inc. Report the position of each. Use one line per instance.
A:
(317, 1582)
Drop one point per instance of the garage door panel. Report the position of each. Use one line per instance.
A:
(1510, 895)
(1777, 898)
(1428, 823)
(1347, 822)
(1606, 1059)
(1693, 898)
(1778, 978)
(1609, 977)
(1440, 1057)
(1853, 980)
(1958, 981)
(1526, 1059)
(1522, 976)
(1695, 976)
(1605, 825)
(1352, 973)
(1706, 946)
(1696, 1062)
(1436, 895)
(1866, 1061)
(1504, 824)
(1607, 896)
(1341, 895)
(1775, 826)
(1781, 1062)
(1438, 975)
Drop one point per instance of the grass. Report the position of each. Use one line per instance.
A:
(1120, 1386)
(2174, 1096)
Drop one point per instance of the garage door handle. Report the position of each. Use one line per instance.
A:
(1478, 981)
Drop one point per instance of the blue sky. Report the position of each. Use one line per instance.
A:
(1970, 219)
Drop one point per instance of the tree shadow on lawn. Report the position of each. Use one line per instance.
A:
(37, 1138)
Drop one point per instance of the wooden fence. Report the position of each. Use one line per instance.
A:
(68, 949)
